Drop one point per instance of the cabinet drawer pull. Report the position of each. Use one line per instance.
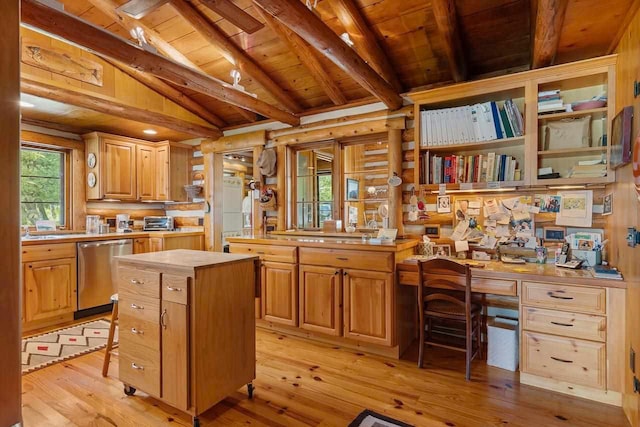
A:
(137, 307)
(172, 289)
(562, 324)
(162, 319)
(137, 282)
(561, 360)
(260, 252)
(343, 258)
(137, 332)
(138, 367)
(558, 296)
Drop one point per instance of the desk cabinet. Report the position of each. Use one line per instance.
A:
(321, 299)
(280, 293)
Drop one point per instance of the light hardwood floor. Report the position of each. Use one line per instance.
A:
(300, 383)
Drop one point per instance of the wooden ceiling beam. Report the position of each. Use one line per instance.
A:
(446, 18)
(307, 56)
(364, 40)
(105, 43)
(295, 15)
(232, 13)
(548, 27)
(170, 92)
(110, 8)
(233, 53)
(101, 105)
(55, 126)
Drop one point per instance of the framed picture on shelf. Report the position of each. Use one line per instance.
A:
(553, 234)
(353, 189)
(444, 204)
(442, 250)
(607, 205)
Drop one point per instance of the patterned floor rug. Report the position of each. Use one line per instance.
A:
(53, 347)
(369, 418)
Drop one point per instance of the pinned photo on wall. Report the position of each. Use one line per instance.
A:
(548, 203)
(467, 209)
(607, 205)
(576, 209)
(444, 204)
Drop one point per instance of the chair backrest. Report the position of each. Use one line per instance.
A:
(444, 274)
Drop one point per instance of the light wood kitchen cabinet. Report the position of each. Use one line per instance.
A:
(162, 173)
(146, 172)
(368, 306)
(119, 167)
(141, 245)
(49, 288)
(280, 293)
(167, 243)
(202, 304)
(321, 299)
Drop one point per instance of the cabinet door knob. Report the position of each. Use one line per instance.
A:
(138, 367)
(137, 332)
(337, 272)
(137, 307)
(345, 273)
(172, 289)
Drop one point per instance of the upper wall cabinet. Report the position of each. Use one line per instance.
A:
(538, 127)
(128, 169)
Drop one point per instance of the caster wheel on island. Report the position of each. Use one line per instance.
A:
(129, 391)
(250, 389)
(196, 422)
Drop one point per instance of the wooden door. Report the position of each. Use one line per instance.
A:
(141, 245)
(368, 306)
(119, 170)
(146, 172)
(162, 177)
(156, 244)
(175, 354)
(321, 299)
(280, 293)
(49, 288)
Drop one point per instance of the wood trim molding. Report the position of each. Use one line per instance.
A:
(234, 142)
(447, 23)
(50, 140)
(549, 19)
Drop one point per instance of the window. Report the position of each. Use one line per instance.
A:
(42, 186)
(314, 187)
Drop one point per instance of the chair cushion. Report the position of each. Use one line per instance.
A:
(446, 307)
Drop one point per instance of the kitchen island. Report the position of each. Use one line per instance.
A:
(187, 327)
(333, 288)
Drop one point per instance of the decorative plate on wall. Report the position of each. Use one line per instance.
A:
(91, 160)
(91, 179)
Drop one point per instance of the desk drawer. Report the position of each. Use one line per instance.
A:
(48, 252)
(139, 307)
(136, 331)
(576, 325)
(572, 298)
(482, 285)
(357, 260)
(266, 252)
(140, 367)
(139, 282)
(564, 359)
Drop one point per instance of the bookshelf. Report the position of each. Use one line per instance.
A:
(530, 151)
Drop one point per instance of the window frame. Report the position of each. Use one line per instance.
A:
(66, 178)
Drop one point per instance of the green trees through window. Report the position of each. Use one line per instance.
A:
(42, 185)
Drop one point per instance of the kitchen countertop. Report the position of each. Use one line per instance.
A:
(347, 243)
(84, 237)
(183, 258)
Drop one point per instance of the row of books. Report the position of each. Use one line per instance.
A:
(452, 169)
(470, 123)
(550, 101)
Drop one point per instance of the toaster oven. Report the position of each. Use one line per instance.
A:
(158, 223)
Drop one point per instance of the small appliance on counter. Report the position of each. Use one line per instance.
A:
(93, 224)
(158, 223)
(122, 223)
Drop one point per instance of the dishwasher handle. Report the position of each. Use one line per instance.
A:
(121, 242)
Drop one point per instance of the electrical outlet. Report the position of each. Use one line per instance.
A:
(632, 360)
(636, 385)
(633, 237)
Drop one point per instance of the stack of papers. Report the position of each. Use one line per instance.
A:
(549, 101)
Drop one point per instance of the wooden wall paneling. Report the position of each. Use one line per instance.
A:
(233, 53)
(231, 143)
(216, 207)
(78, 197)
(548, 26)
(10, 291)
(307, 56)
(256, 221)
(395, 167)
(312, 29)
(447, 23)
(105, 43)
(281, 152)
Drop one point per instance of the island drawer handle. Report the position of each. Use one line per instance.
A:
(171, 288)
(260, 252)
(137, 282)
(558, 297)
(162, 319)
(561, 324)
(138, 367)
(561, 360)
(137, 332)
(137, 307)
(343, 258)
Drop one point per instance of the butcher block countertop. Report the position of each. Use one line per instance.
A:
(183, 259)
(318, 241)
(84, 237)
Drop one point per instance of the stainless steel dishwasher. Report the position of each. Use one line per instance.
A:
(96, 273)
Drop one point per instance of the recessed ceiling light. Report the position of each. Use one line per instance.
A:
(150, 132)
(25, 104)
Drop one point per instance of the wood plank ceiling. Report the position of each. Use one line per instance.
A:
(418, 39)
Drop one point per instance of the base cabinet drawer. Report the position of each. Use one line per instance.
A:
(267, 252)
(573, 298)
(140, 368)
(139, 307)
(338, 258)
(139, 282)
(137, 331)
(564, 359)
(575, 325)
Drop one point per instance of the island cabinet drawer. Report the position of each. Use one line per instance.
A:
(139, 367)
(133, 330)
(48, 252)
(573, 298)
(479, 284)
(564, 359)
(576, 325)
(139, 307)
(359, 260)
(175, 288)
(267, 252)
(139, 282)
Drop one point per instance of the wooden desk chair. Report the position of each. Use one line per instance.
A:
(112, 329)
(444, 301)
